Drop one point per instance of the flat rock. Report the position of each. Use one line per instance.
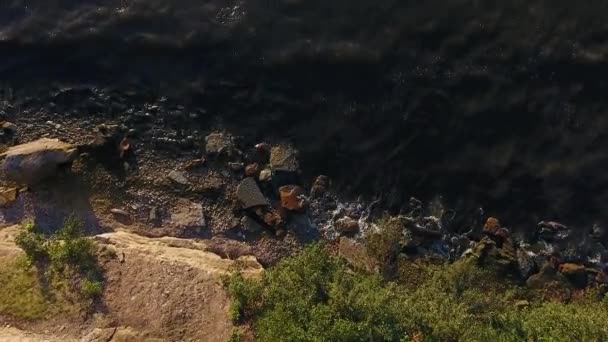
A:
(249, 194)
(188, 214)
(284, 158)
(35, 161)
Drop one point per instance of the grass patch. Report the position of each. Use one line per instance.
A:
(24, 296)
(58, 274)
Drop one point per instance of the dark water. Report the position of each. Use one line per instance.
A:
(496, 105)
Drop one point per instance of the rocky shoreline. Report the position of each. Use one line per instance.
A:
(253, 199)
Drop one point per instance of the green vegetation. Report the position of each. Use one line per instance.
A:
(317, 297)
(57, 274)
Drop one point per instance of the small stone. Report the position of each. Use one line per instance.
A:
(154, 215)
(178, 177)
(283, 158)
(292, 197)
(347, 225)
(522, 304)
(249, 194)
(265, 175)
(252, 170)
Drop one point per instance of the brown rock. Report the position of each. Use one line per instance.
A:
(492, 226)
(292, 197)
(252, 170)
(320, 186)
(283, 158)
(347, 225)
(8, 197)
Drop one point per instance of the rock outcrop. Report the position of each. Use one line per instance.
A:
(33, 162)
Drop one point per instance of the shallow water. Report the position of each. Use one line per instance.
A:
(494, 106)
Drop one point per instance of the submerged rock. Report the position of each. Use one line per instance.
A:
(33, 162)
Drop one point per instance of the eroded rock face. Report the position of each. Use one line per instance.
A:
(33, 162)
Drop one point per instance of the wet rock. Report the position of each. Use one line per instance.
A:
(356, 255)
(249, 195)
(347, 225)
(8, 197)
(178, 178)
(250, 225)
(292, 197)
(252, 170)
(320, 186)
(33, 162)
(188, 216)
(262, 151)
(492, 226)
(124, 148)
(265, 175)
(284, 158)
(553, 231)
(219, 144)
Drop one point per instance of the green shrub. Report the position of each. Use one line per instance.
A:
(316, 297)
(91, 288)
(67, 258)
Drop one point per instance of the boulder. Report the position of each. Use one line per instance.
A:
(35, 161)
(347, 225)
(219, 144)
(292, 197)
(551, 282)
(8, 197)
(284, 158)
(249, 194)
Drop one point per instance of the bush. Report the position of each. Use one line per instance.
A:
(66, 257)
(315, 297)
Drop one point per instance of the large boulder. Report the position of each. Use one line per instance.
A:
(35, 161)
